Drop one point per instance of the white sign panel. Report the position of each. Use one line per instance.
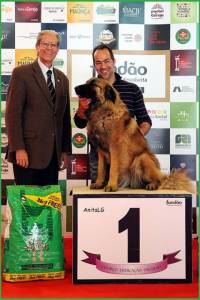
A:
(7, 61)
(25, 36)
(82, 70)
(8, 12)
(80, 37)
(157, 13)
(131, 37)
(159, 113)
(183, 88)
(147, 71)
(127, 238)
(54, 12)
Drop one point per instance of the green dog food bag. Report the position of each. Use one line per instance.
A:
(33, 243)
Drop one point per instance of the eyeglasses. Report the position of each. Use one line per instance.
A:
(49, 44)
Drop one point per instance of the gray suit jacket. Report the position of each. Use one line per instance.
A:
(33, 122)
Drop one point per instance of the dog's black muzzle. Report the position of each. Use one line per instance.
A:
(83, 91)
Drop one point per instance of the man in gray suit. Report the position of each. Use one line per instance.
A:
(38, 116)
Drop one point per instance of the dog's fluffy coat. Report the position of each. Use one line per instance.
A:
(118, 140)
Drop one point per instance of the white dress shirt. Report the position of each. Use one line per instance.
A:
(44, 71)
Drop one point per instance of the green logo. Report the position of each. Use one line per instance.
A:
(184, 12)
(79, 140)
(183, 36)
(182, 115)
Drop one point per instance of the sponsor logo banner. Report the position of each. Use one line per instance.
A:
(183, 62)
(54, 12)
(26, 36)
(80, 37)
(159, 140)
(77, 167)
(61, 29)
(8, 12)
(184, 12)
(157, 13)
(183, 36)
(159, 114)
(131, 13)
(157, 37)
(182, 115)
(28, 12)
(187, 162)
(79, 141)
(183, 88)
(8, 36)
(24, 57)
(79, 12)
(183, 141)
(106, 12)
(4, 86)
(7, 61)
(106, 34)
(131, 37)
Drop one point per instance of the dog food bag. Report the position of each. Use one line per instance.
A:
(33, 244)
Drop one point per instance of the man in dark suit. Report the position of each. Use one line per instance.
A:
(38, 116)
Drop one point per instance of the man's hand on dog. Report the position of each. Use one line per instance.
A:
(83, 106)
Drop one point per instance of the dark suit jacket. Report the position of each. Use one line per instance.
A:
(33, 122)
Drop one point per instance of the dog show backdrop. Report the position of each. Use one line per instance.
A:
(155, 46)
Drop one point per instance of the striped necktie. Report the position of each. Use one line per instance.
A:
(51, 87)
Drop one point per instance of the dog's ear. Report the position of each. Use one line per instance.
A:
(109, 93)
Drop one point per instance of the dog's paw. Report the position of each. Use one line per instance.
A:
(96, 186)
(111, 188)
(152, 186)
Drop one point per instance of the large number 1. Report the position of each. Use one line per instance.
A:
(131, 221)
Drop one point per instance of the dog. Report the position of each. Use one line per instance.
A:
(119, 142)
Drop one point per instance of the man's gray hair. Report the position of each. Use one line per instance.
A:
(43, 32)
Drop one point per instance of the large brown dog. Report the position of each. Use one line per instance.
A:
(118, 140)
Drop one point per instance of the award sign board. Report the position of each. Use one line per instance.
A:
(131, 236)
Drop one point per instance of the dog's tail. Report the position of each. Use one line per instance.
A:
(177, 180)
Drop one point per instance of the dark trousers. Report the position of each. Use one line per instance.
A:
(47, 176)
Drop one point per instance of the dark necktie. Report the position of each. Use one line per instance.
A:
(50, 86)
